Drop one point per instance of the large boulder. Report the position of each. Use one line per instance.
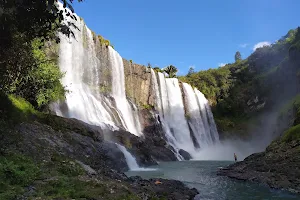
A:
(72, 138)
(185, 154)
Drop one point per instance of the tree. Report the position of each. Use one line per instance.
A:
(191, 71)
(171, 71)
(237, 56)
(21, 24)
(34, 18)
(157, 69)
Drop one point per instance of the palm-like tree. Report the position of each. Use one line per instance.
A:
(171, 71)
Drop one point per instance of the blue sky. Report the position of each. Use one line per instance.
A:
(199, 33)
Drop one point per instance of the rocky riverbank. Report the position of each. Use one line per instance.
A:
(49, 157)
(277, 167)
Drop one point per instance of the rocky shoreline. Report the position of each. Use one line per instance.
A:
(277, 167)
(75, 157)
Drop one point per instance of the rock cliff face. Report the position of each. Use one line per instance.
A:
(138, 84)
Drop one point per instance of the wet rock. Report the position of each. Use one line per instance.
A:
(71, 138)
(185, 154)
(148, 149)
(168, 189)
(277, 167)
(87, 168)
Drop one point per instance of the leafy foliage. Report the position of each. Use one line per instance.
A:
(171, 71)
(157, 69)
(25, 26)
(35, 18)
(34, 76)
(104, 41)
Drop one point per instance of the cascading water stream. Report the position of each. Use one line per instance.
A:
(130, 160)
(74, 56)
(173, 113)
(158, 99)
(207, 116)
(131, 121)
(195, 120)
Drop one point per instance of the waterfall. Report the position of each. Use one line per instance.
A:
(131, 162)
(158, 99)
(184, 113)
(175, 116)
(196, 122)
(77, 59)
(209, 122)
(176, 126)
(155, 89)
(118, 92)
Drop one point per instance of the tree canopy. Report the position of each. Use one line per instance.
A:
(26, 26)
(171, 71)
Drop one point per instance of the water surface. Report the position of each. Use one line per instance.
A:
(202, 176)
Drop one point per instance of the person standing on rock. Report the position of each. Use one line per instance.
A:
(235, 157)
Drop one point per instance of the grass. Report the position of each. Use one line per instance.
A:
(292, 134)
(16, 172)
(17, 109)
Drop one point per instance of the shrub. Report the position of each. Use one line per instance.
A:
(46, 78)
(104, 41)
(147, 106)
(16, 172)
(292, 134)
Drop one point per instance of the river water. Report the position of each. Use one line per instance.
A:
(202, 176)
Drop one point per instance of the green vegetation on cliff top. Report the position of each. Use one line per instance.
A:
(240, 90)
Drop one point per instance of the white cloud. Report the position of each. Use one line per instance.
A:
(244, 45)
(261, 44)
(221, 64)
